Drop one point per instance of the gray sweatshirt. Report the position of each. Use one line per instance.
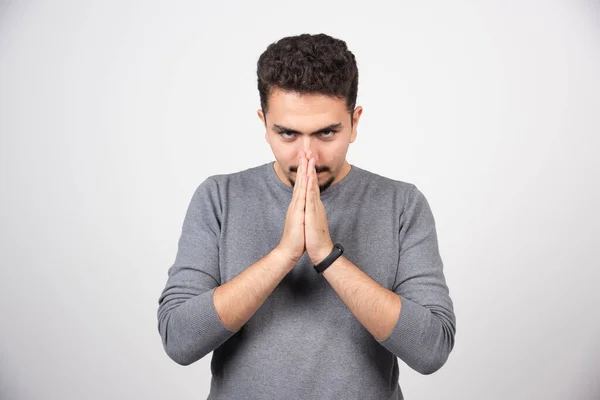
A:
(303, 342)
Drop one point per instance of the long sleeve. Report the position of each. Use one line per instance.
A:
(187, 320)
(424, 334)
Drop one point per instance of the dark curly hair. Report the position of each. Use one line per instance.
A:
(308, 64)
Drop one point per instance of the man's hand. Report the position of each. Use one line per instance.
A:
(292, 241)
(316, 228)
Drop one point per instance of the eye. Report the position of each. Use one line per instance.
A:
(328, 134)
(283, 135)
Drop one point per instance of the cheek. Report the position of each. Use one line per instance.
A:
(285, 154)
(333, 154)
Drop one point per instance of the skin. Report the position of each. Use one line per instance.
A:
(307, 113)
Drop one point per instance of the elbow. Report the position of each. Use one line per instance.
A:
(433, 365)
(176, 346)
(179, 358)
(191, 330)
(177, 355)
(423, 339)
(437, 355)
(180, 355)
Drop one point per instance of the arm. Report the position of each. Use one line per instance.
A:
(196, 314)
(375, 307)
(238, 300)
(416, 320)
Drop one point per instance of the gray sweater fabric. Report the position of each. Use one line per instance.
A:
(303, 342)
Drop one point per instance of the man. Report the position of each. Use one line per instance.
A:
(307, 276)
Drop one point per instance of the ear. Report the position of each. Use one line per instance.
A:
(355, 118)
(262, 118)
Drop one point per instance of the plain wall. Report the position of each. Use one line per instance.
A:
(112, 113)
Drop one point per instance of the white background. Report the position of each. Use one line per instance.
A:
(112, 113)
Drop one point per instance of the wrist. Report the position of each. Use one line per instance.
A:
(321, 255)
(284, 258)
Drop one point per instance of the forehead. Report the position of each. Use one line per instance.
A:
(298, 108)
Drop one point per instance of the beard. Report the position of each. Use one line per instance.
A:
(322, 187)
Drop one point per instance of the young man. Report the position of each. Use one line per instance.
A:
(307, 276)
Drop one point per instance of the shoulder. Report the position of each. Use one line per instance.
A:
(385, 185)
(246, 175)
(405, 196)
(221, 184)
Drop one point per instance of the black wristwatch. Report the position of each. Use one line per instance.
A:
(337, 251)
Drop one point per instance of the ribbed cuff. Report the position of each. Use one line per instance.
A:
(199, 330)
(207, 323)
(406, 337)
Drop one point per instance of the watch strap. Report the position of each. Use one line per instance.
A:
(337, 251)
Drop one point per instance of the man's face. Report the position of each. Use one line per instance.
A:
(309, 122)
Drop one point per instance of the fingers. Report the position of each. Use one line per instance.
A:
(298, 174)
(312, 186)
(314, 180)
(299, 192)
(310, 173)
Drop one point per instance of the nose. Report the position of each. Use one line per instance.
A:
(308, 146)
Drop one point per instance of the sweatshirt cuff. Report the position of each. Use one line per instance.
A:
(208, 324)
(198, 330)
(406, 338)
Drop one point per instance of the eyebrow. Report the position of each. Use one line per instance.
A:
(331, 127)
